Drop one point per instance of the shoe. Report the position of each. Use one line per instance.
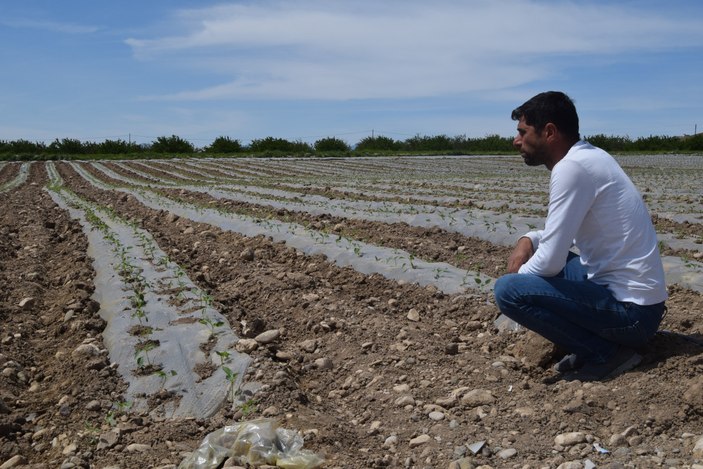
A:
(624, 360)
(570, 362)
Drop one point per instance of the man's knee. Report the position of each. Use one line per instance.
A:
(504, 289)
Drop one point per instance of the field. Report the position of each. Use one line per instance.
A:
(147, 304)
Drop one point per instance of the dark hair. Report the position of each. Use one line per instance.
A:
(550, 106)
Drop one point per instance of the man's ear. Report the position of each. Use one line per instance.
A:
(550, 131)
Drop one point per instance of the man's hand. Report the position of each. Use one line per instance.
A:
(521, 254)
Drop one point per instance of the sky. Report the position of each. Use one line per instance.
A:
(133, 70)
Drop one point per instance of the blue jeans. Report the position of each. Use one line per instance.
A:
(576, 314)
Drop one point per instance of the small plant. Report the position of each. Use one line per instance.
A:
(212, 324)
(248, 407)
(480, 282)
(224, 356)
(118, 408)
(142, 353)
(164, 376)
(232, 378)
(357, 250)
(92, 431)
(439, 272)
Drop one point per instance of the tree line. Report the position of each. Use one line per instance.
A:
(330, 146)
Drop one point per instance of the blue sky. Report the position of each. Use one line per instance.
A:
(308, 69)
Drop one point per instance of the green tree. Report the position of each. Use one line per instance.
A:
(379, 143)
(331, 144)
(115, 147)
(692, 143)
(172, 144)
(224, 145)
(24, 146)
(440, 143)
(67, 146)
(278, 145)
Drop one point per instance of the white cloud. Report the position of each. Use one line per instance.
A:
(315, 49)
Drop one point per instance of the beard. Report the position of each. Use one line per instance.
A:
(531, 160)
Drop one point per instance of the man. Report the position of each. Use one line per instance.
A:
(608, 300)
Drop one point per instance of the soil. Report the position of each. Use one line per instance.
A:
(377, 388)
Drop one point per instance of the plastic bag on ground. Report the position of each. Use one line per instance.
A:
(504, 323)
(256, 442)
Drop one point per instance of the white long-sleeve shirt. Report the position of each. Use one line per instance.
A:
(596, 207)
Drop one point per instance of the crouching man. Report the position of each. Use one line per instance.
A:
(607, 300)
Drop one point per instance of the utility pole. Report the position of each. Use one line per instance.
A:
(371, 134)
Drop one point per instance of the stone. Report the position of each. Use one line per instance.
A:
(571, 465)
(270, 411)
(507, 453)
(268, 337)
(27, 303)
(374, 427)
(247, 254)
(39, 434)
(108, 439)
(402, 401)
(525, 411)
(401, 388)
(308, 345)
(446, 402)
(285, 356)
(138, 448)
(14, 461)
(69, 449)
(246, 345)
(698, 448)
(324, 364)
(390, 441)
(86, 351)
(420, 440)
(436, 416)
(618, 439)
(478, 397)
(413, 315)
(463, 463)
(570, 439)
(93, 405)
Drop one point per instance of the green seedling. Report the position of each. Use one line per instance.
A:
(209, 322)
(142, 353)
(248, 407)
(224, 356)
(357, 250)
(164, 376)
(205, 300)
(118, 408)
(232, 378)
(439, 272)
